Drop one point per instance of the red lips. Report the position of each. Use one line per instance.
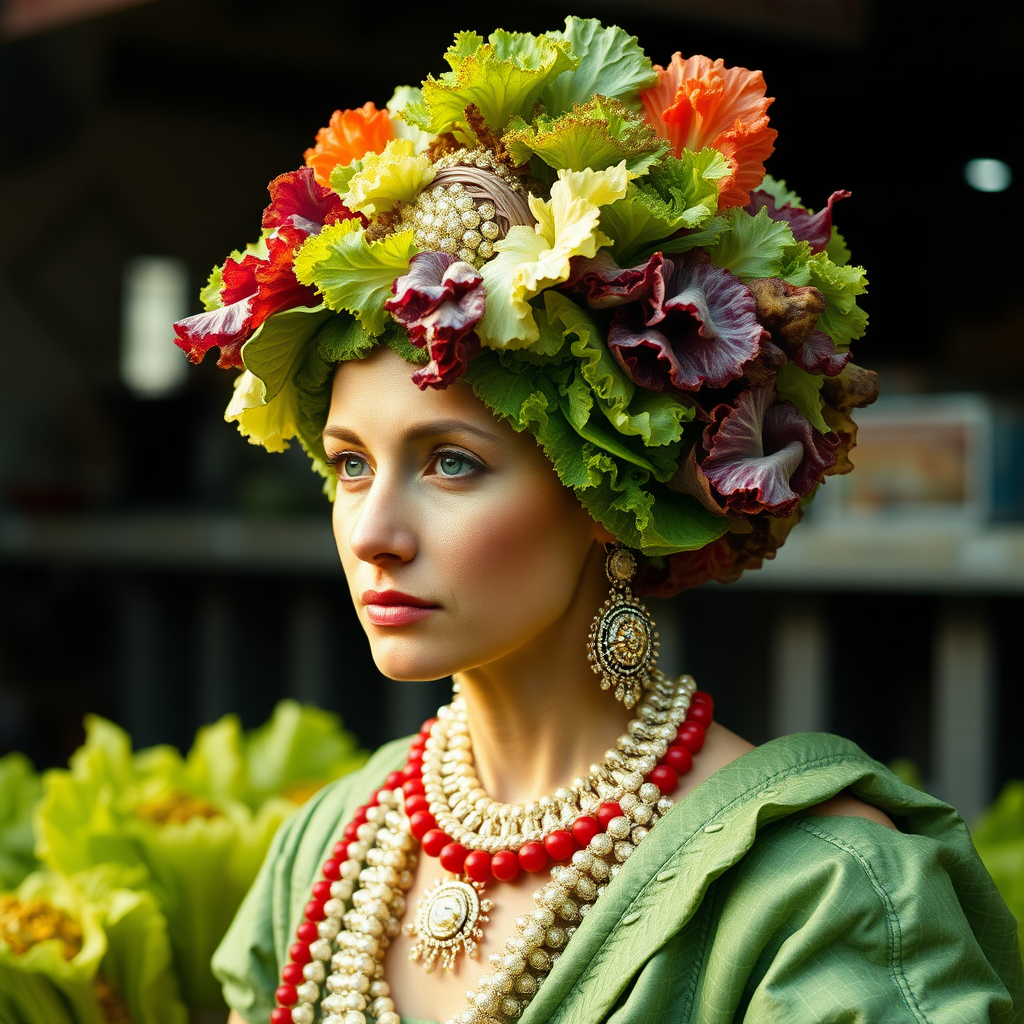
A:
(392, 597)
(393, 608)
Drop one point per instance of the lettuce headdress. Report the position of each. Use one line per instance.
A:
(591, 242)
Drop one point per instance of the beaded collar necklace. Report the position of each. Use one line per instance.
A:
(587, 830)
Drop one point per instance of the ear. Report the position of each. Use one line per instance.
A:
(603, 535)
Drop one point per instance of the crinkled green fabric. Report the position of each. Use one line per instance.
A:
(735, 908)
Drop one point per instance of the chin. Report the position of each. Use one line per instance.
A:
(408, 661)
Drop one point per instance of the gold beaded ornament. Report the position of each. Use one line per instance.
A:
(471, 203)
(623, 643)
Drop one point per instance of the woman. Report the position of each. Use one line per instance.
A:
(632, 371)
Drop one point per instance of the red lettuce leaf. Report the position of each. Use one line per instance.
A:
(298, 201)
(227, 327)
(254, 289)
(439, 302)
(814, 228)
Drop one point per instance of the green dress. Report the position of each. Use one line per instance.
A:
(734, 908)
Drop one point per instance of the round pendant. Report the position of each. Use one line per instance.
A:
(448, 920)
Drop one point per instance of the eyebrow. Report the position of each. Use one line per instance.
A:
(417, 432)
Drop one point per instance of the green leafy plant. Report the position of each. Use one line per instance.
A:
(999, 838)
(20, 789)
(86, 949)
(194, 829)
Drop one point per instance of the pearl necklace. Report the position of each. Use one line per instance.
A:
(357, 906)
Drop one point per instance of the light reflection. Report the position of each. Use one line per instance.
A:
(987, 175)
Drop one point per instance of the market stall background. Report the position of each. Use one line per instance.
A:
(157, 570)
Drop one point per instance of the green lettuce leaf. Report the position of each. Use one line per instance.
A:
(215, 766)
(705, 237)
(396, 339)
(528, 261)
(297, 751)
(656, 418)
(258, 248)
(803, 389)
(843, 320)
(597, 134)
(209, 295)
(312, 383)
(999, 838)
(624, 501)
(501, 78)
(343, 174)
(124, 942)
(195, 829)
(402, 97)
(778, 190)
(612, 64)
(396, 175)
(676, 194)
(340, 339)
(755, 246)
(20, 790)
(344, 338)
(272, 423)
(837, 250)
(353, 274)
(612, 473)
(272, 352)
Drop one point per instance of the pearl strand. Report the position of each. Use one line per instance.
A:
(360, 914)
(460, 807)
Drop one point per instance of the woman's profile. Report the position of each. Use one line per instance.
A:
(555, 341)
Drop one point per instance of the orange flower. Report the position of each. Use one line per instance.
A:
(699, 102)
(350, 136)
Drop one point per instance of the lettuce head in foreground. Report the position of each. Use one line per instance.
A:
(196, 828)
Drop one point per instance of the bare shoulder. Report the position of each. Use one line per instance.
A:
(845, 806)
(723, 746)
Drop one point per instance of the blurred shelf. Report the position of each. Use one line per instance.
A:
(897, 556)
(859, 556)
(186, 543)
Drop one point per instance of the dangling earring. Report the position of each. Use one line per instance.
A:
(623, 644)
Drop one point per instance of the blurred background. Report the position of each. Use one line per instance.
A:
(158, 570)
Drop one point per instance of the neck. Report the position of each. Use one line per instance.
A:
(538, 717)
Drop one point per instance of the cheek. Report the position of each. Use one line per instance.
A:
(524, 558)
(341, 526)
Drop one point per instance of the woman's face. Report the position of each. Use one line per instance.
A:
(458, 541)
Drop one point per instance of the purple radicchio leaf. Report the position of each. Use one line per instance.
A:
(814, 228)
(439, 302)
(606, 284)
(763, 456)
(817, 354)
(700, 335)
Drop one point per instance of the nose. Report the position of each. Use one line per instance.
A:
(380, 530)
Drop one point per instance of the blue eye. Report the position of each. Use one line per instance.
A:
(455, 464)
(353, 466)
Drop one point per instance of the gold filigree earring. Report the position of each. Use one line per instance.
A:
(623, 644)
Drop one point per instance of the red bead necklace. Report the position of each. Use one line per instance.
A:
(505, 865)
